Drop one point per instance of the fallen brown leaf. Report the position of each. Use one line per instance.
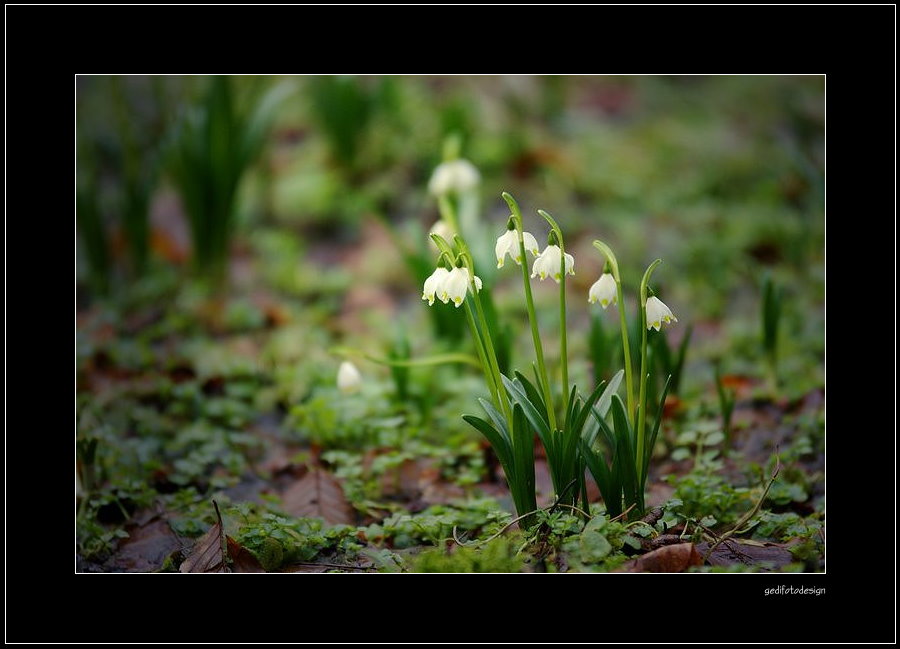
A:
(210, 551)
(407, 480)
(216, 552)
(242, 560)
(146, 547)
(318, 494)
(733, 552)
(669, 558)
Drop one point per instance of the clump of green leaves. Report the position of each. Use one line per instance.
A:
(498, 555)
(622, 479)
(435, 524)
(726, 404)
(699, 494)
(699, 442)
(279, 540)
(599, 545)
(213, 145)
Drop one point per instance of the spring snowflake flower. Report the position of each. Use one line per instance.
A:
(454, 285)
(603, 291)
(349, 380)
(547, 264)
(453, 177)
(433, 285)
(508, 244)
(657, 313)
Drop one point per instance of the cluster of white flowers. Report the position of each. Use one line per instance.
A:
(460, 175)
(604, 292)
(449, 285)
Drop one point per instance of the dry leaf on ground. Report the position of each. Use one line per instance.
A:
(318, 494)
(669, 558)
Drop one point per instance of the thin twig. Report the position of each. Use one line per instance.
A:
(750, 514)
(653, 530)
(502, 530)
(573, 508)
(513, 522)
(613, 520)
(329, 565)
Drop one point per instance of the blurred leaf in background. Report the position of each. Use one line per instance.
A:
(121, 121)
(213, 145)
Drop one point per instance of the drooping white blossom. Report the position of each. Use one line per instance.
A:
(454, 286)
(657, 313)
(349, 380)
(548, 264)
(508, 244)
(433, 284)
(603, 291)
(453, 177)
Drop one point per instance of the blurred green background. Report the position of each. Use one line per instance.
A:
(310, 187)
(232, 231)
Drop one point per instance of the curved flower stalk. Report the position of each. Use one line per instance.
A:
(519, 408)
(559, 431)
(628, 436)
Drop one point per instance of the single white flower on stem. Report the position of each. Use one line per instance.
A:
(603, 291)
(657, 313)
(508, 244)
(349, 380)
(433, 284)
(455, 285)
(548, 263)
(454, 177)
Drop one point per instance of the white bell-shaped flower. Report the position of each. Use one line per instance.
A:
(433, 284)
(349, 380)
(548, 264)
(657, 313)
(508, 244)
(603, 291)
(455, 284)
(454, 177)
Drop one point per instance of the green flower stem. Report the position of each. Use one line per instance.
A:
(629, 382)
(448, 213)
(483, 343)
(642, 399)
(563, 346)
(492, 356)
(486, 366)
(485, 330)
(532, 317)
